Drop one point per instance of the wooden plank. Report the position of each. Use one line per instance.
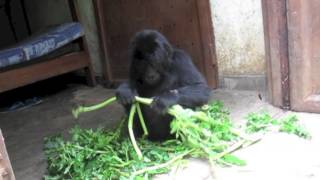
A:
(39, 71)
(82, 41)
(265, 15)
(304, 44)
(276, 48)
(6, 171)
(101, 24)
(208, 42)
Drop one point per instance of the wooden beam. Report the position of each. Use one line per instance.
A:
(208, 42)
(42, 70)
(277, 54)
(6, 171)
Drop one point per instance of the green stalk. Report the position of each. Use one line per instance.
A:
(89, 149)
(231, 149)
(142, 122)
(82, 109)
(163, 165)
(146, 101)
(130, 125)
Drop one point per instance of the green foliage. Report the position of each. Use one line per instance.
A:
(231, 159)
(290, 125)
(206, 132)
(104, 155)
(257, 122)
(101, 154)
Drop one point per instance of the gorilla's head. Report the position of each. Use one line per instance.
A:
(150, 57)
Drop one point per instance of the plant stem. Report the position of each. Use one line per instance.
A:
(231, 149)
(131, 134)
(239, 133)
(146, 101)
(163, 165)
(82, 109)
(89, 149)
(238, 145)
(142, 122)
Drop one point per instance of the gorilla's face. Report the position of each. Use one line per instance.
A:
(150, 57)
(145, 69)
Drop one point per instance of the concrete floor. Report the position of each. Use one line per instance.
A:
(277, 156)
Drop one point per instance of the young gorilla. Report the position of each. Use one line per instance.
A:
(159, 71)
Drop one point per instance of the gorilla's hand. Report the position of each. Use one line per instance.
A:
(161, 103)
(125, 95)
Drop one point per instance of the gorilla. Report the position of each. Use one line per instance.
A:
(164, 73)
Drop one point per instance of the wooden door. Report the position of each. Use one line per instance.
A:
(292, 39)
(186, 23)
(304, 54)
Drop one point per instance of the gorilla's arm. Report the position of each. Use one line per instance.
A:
(189, 96)
(193, 95)
(191, 90)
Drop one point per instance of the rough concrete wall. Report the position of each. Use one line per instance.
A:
(239, 37)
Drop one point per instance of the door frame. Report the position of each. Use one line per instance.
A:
(276, 52)
(287, 46)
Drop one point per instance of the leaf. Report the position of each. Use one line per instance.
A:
(231, 159)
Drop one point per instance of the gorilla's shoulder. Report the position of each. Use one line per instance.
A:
(181, 56)
(182, 62)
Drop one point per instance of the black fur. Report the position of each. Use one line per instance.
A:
(164, 73)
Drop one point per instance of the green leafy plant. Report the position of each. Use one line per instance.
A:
(257, 122)
(206, 132)
(101, 154)
(290, 125)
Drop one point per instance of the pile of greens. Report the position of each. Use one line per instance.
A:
(206, 132)
(104, 155)
(263, 122)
